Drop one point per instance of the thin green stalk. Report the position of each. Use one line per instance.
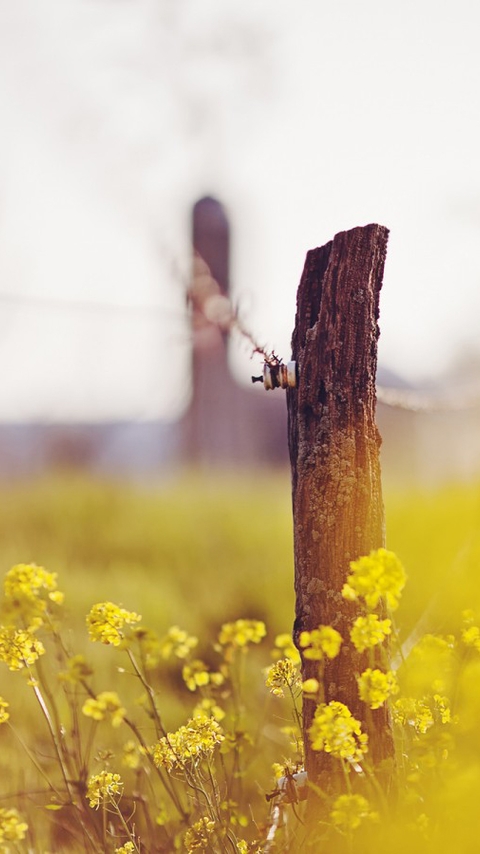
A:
(34, 761)
(169, 788)
(150, 693)
(44, 708)
(46, 714)
(124, 824)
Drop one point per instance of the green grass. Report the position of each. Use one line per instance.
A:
(201, 551)
(195, 552)
(198, 552)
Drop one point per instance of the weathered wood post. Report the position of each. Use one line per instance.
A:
(206, 433)
(334, 452)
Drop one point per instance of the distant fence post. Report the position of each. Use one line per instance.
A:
(334, 452)
(207, 437)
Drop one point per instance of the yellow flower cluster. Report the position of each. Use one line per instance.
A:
(241, 633)
(375, 687)
(77, 670)
(19, 648)
(198, 836)
(209, 708)
(177, 642)
(190, 743)
(320, 643)
(422, 714)
(106, 621)
(282, 674)
(237, 740)
(471, 637)
(24, 586)
(349, 811)
(196, 675)
(310, 688)
(336, 731)
(128, 848)
(471, 632)
(103, 787)
(12, 828)
(4, 715)
(369, 631)
(131, 754)
(106, 704)
(376, 577)
(150, 646)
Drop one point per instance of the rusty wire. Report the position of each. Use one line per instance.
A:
(211, 306)
(411, 400)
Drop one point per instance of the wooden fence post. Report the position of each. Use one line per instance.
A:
(334, 452)
(207, 437)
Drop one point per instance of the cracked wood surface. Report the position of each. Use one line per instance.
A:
(334, 451)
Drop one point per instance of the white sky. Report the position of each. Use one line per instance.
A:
(304, 118)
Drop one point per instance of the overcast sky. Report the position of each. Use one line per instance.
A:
(304, 118)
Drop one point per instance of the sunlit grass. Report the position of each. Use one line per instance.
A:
(198, 552)
(195, 550)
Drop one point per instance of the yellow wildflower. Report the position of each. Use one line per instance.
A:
(418, 713)
(375, 687)
(375, 577)
(195, 675)
(189, 743)
(27, 587)
(311, 687)
(28, 581)
(161, 817)
(336, 731)
(177, 642)
(198, 836)
(320, 643)
(241, 633)
(210, 708)
(284, 646)
(349, 811)
(434, 646)
(441, 709)
(19, 648)
(283, 673)
(77, 670)
(423, 714)
(131, 756)
(106, 704)
(369, 631)
(150, 647)
(4, 715)
(106, 622)
(471, 637)
(125, 849)
(12, 828)
(103, 787)
(237, 740)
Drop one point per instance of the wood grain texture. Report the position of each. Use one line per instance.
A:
(334, 452)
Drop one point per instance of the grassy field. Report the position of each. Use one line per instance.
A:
(202, 551)
(199, 552)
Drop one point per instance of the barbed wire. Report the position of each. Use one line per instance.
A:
(211, 306)
(214, 307)
(85, 305)
(459, 400)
